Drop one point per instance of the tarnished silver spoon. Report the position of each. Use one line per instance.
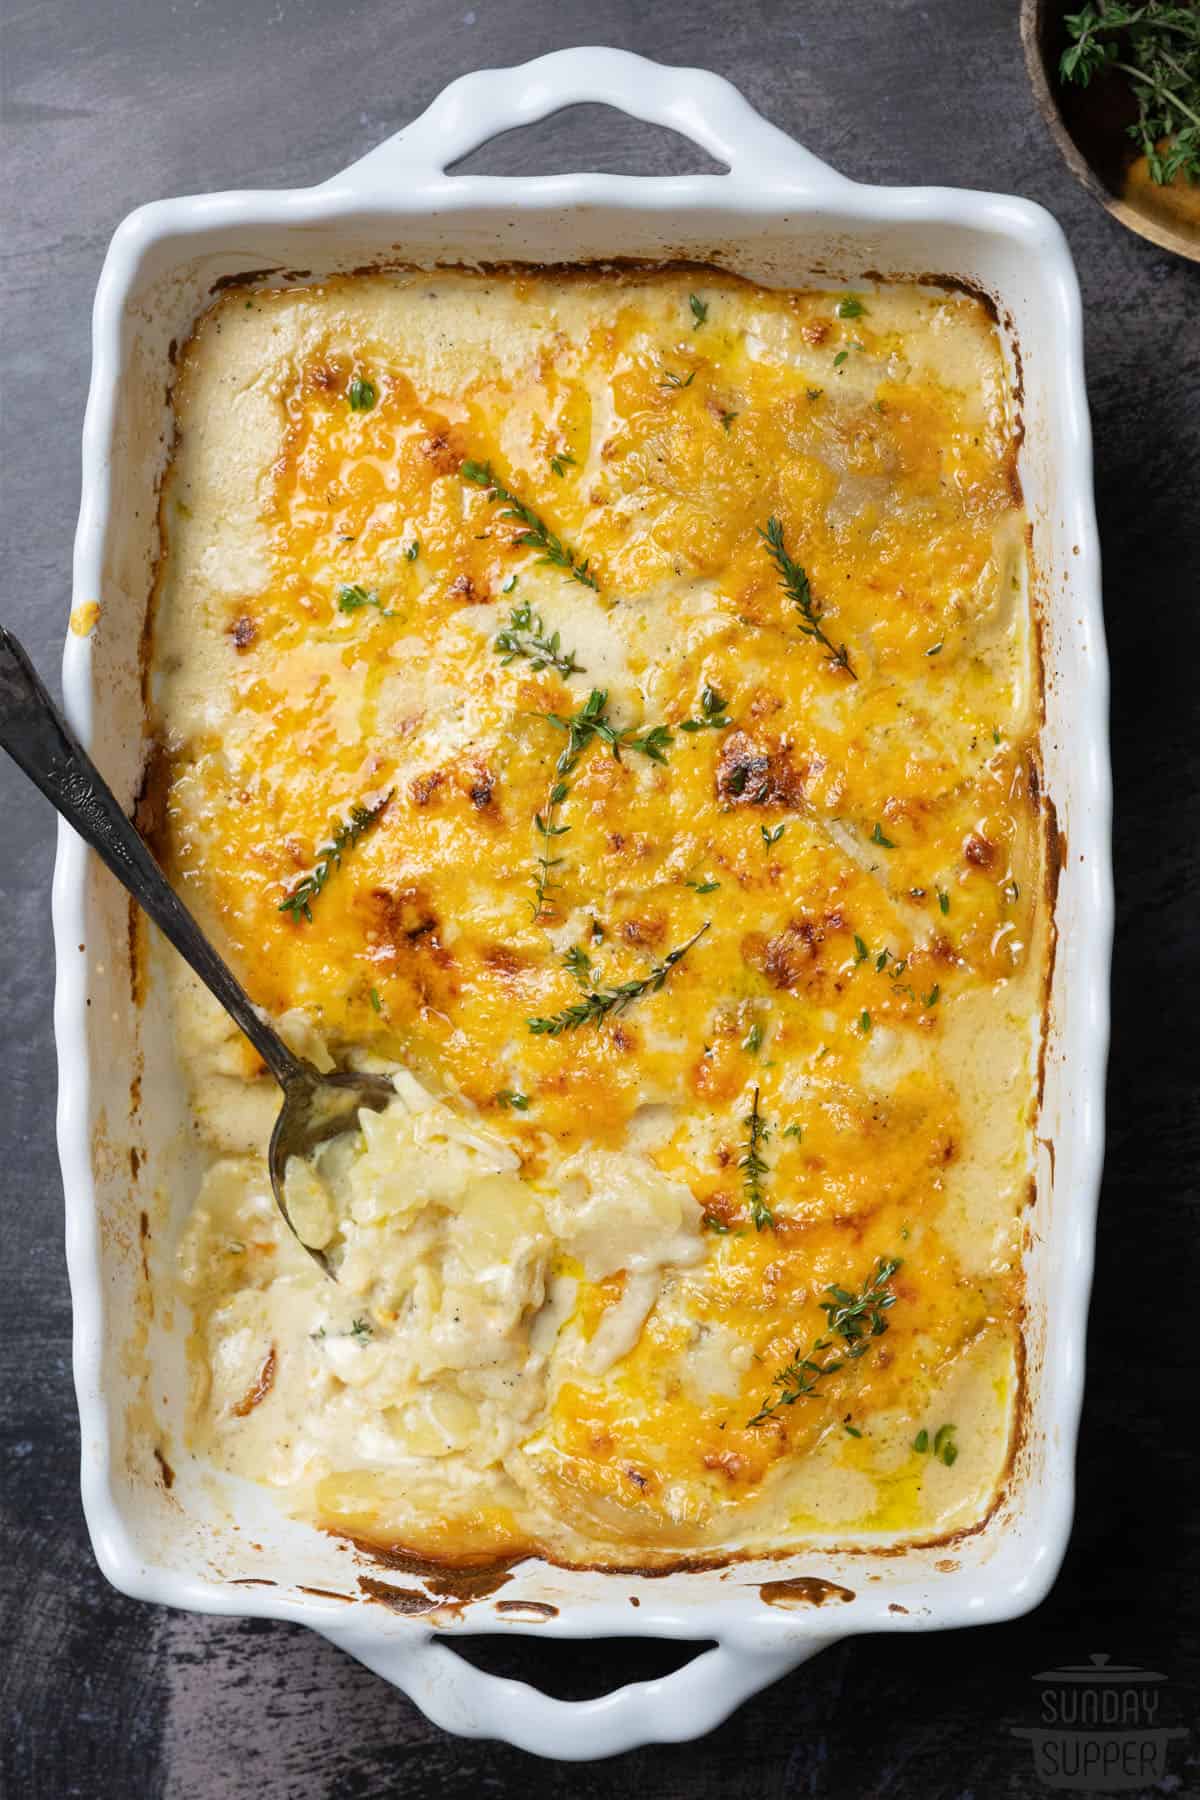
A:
(38, 738)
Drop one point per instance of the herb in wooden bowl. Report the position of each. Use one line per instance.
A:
(1157, 48)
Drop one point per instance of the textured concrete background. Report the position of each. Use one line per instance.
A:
(108, 103)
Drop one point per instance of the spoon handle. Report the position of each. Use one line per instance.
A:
(40, 741)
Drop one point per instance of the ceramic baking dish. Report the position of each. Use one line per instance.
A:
(169, 1531)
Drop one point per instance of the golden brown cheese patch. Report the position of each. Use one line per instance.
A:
(862, 841)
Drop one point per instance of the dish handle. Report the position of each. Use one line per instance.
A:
(694, 102)
(469, 1702)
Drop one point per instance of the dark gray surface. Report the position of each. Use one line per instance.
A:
(107, 105)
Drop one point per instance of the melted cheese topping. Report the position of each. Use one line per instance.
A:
(559, 1306)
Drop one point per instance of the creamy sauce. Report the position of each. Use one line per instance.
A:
(564, 1291)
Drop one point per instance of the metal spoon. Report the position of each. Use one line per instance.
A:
(38, 738)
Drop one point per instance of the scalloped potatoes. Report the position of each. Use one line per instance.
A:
(439, 546)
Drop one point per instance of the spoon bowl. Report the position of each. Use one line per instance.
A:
(316, 1106)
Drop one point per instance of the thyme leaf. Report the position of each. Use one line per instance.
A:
(353, 599)
(712, 713)
(362, 394)
(580, 965)
(944, 1445)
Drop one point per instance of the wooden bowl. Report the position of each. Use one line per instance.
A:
(1090, 125)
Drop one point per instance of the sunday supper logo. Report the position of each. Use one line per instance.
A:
(1100, 1730)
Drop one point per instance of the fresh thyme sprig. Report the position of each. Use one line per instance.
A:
(592, 721)
(754, 1166)
(589, 723)
(561, 462)
(598, 1003)
(653, 743)
(794, 582)
(344, 837)
(537, 535)
(353, 599)
(895, 967)
(526, 635)
(713, 716)
(699, 310)
(1157, 47)
(547, 826)
(857, 1319)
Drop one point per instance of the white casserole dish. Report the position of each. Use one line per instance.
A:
(167, 1531)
